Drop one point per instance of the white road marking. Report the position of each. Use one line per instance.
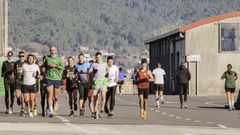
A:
(171, 115)
(151, 109)
(187, 119)
(197, 121)
(209, 122)
(222, 126)
(157, 111)
(164, 113)
(179, 117)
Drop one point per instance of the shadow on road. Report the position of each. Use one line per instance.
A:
(212, 107)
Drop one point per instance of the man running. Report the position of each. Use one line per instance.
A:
(69, 74)
(143, 76)
(121, 76)
(31, 72)
(43, 88)
(8, 74)
(90, 92)
(113, 78)
(83, 82)
(159, 75)
(54, 67)
(19, 79)
(134, 80)
(100, 84)
(183, 76)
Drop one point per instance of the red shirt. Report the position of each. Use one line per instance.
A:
(143, 79)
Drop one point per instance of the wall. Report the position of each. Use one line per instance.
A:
(204, 41)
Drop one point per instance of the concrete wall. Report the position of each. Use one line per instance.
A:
(204, 41)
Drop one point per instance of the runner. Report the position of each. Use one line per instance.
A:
(43, 88)
(69, 74)
(113, 78)
(19, 81)
(134, 79)
(83, 82)
(9, 81)
(100, 84)
(122, 76)
(30, 72)
(230, 85)
(183, 76)
(143, 76)
(159, 75)
(90, 92)
(54, 67)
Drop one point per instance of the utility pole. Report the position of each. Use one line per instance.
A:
(6, 27)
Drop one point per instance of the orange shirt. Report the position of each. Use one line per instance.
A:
(143, 79)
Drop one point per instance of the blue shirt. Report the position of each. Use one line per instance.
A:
(81, 69)
(122, 75)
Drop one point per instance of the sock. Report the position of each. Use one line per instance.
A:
(161, 97)
(50, 109)
(233, 104)
(157, 100)
(230, 104)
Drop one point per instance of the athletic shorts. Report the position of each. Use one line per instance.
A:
(121, 82)
(144, 92)
(159, 87)
(134, 82)
(18, 86)
(102, 87)
(29, 88)
(55, 83)
(232, 90)
(83, 89)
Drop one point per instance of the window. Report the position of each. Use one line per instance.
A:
(229, 37)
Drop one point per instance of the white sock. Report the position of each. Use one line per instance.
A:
(161, 98)
(158, 103)
(51, 109)
(232, 104)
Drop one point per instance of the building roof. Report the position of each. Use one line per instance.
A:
(198, 23)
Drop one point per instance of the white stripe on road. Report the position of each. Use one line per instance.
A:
(179, 117)
(222, 126)
(62, 119)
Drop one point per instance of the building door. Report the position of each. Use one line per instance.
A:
(177, 57)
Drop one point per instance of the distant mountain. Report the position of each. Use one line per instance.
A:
(113, 25)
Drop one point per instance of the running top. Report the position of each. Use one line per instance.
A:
(30, 72)
(82, 69)
(54, 73)
(143, 79)
(112, 75)
(99, 70)
(159, 75)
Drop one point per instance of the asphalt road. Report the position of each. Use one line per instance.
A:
(205, 115)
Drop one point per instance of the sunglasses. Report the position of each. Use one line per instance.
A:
(21, 56)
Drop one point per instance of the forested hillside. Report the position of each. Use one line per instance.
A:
(118, 26)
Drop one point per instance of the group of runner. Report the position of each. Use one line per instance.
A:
(94, 81)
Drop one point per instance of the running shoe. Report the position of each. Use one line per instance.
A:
(141, 114)
(10, 111)
(35, 112)
(71, 114)
(144, 115)
(22, 113)
(18, 101)
(31, 114)
(56, 106)
(75, 107)
(7, 111)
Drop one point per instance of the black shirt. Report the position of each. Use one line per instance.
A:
(8, 73)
